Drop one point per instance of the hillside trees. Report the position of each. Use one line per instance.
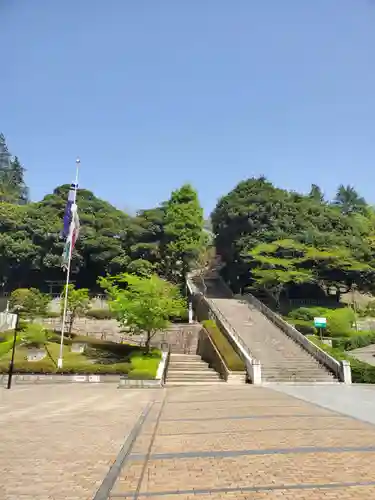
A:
(337, 242)
(110, 241)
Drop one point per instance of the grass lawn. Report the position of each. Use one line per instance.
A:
(99, 357)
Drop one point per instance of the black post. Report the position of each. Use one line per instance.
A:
(321, 334)
(10, 372)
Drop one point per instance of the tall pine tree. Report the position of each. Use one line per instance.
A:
(12, 185)
(183, 234)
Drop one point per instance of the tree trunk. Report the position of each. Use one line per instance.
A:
(147, 343)
(71, 321)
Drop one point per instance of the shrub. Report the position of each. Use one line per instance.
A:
(225, 348)
(34, 335)
(362, 373)
(305, 327)
(53, 314)
(339, 322)
(139, 374)
(370, 309)
(354, 342)
(183, 317)
(5, 346)
(100, 314)
(308, 313)
(46, 366)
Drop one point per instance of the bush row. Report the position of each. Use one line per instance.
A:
(225, 348)
(46, 366)
(339, 321)
(362, 373)
(354, 342)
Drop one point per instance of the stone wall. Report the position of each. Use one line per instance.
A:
(183, 338)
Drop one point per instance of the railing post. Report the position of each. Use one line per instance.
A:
(254, 370)
(346, 372)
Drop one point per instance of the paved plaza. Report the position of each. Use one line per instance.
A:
(97, 442)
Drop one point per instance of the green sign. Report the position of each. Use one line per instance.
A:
(320, 322)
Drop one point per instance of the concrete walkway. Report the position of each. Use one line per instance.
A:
(214, 443)
(357, 400)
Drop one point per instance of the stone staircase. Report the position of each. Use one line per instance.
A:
(189, 369)
(282, 359)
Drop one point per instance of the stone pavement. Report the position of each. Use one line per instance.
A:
(243, 442)
(58, 441)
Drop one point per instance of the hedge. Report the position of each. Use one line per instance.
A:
(303, 326)
(45, 366)
(355, 342)
(100, 357)
(362, 373)
(339, 321)
(225, 348)
(100, 314)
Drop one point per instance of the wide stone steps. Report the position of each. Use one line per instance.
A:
(188, 369)
(281, 358)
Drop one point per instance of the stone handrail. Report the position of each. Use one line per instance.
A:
(207, 350)
(340, 369)
(253, 366)
(160, 374)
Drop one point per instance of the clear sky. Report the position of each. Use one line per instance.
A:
(153, 93)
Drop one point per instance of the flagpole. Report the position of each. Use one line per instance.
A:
(60, 359)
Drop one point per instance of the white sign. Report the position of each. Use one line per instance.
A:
(79, 378)
(320, 322)
(94, 378)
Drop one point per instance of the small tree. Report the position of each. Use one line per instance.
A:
(34, 335)
(143, 304)
(78, 304)
(30, 301)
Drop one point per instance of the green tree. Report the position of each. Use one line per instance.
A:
(316, 193)
(256, 212)
(78, 304)
(140, 267)
(349, 200)
(31, 302)
(277, 266)
(34, 335)
(183, 234)
(143, 304)
(12, 185)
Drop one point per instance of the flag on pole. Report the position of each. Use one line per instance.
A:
(68, 209)
(72, 236)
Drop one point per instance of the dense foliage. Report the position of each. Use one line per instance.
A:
(165, 239)
(143, 304)
(278, 241)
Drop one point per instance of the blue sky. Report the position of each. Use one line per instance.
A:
(153, 93)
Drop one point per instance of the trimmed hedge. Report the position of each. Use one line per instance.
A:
(100, 314)
(5, 347)
(303, 326)
(362, 373)
(225, 348)
(45, 366)
(355, 342)
(100, 357)
(339, 321)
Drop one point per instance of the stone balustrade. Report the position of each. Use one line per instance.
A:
(340, 369)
